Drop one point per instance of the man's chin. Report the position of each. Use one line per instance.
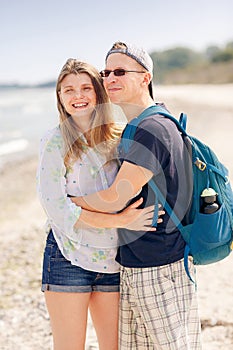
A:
(115, 99)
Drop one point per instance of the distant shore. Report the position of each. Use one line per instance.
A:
(28, 86)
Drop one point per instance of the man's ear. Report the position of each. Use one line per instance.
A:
(147, 78)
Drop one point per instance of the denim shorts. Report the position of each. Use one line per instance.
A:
(59, 275)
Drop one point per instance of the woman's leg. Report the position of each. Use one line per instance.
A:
(68, 318)
(104, 313)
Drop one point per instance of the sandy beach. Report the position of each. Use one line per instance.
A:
(24, 321)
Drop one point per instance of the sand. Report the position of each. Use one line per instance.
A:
(24, 321)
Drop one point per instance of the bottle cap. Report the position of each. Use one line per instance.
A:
(208, 192)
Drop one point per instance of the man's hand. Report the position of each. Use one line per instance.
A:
(136, 219)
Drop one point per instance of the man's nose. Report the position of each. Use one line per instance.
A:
(111, 77)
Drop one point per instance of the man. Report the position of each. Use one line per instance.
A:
(158, 308)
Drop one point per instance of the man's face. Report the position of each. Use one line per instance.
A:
(125, 88)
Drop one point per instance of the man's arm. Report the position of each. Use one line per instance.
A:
(131, 218)
(129, 181)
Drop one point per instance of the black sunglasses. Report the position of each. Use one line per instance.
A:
(117, 72)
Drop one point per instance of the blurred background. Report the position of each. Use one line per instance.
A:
(191, 44)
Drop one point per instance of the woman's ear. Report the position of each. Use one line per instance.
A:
(60, 98)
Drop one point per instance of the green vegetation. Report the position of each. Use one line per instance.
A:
(182, 65)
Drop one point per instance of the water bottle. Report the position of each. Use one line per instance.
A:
(209, 201)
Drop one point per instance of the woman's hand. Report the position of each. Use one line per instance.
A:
(136, 219)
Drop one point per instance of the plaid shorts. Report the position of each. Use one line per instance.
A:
(158, 309)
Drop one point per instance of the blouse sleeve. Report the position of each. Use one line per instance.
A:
(51, 185)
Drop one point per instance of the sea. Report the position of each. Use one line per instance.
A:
(27, 113)
(25, 116)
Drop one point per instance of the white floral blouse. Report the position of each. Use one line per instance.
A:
(92, 249)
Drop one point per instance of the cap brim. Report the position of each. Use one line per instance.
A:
(150, 87)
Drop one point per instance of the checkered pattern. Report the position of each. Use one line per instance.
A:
(158, 309)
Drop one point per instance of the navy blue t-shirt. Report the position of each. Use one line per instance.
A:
(157, 146)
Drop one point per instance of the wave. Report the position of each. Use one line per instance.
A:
(13, 146)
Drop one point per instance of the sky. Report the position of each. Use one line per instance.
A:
(37, 37)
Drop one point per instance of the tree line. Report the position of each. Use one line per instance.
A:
(183, 60)
(180, 65)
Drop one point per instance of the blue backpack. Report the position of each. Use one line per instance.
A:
(208, 237)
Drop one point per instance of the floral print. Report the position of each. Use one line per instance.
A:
(92, 249)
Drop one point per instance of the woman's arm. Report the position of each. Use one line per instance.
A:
(51, 185)
(61, 211)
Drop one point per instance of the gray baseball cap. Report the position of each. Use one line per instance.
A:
(136, 53)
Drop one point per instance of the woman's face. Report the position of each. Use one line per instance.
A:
(78, 96)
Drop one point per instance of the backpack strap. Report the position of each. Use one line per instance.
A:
(213, 168)
(127, 139)
(162, 200)
(152, 110)
(183, 120)
(186, 262)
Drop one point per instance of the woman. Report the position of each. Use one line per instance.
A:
(77, 158)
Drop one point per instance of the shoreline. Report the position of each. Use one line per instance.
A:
(23, 315)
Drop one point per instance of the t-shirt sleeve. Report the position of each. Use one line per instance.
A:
(51, 185)
(150, 147)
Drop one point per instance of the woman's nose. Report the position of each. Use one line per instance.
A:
(78, 93)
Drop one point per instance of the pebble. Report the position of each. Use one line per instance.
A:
(24, 320)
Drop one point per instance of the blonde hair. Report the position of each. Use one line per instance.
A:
(104, 134)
